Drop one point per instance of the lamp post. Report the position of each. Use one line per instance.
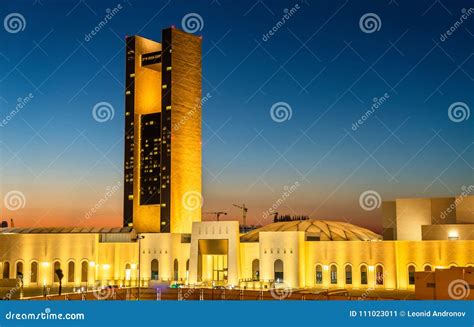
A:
(139, 238)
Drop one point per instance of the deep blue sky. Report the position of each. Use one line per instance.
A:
(319, 62)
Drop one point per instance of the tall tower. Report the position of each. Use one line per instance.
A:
(162, 164)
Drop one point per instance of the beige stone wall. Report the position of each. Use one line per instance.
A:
(185, 130)
(411, 215)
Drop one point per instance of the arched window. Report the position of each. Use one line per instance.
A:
(348, 270)
(70, 271)
(175, 269)
(154, 269)
(56, 266)
(363, 275)
(19, 269)
(333, 274)
(411, 275)
(34, 272)
(319, 274)
(6, 270)
(379, 275)
(84, 271)
(278, 270)
(256, 269)
(427, 268)
(187, 265)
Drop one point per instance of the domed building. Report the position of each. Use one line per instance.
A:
(321, 230)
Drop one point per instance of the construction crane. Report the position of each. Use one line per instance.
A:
(244, 213)
(217, 213)
(275, 217)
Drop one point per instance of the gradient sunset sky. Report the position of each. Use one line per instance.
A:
(320, 62)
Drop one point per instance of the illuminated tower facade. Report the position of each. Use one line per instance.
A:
(162, 164)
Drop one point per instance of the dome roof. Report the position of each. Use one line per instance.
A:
(325, 230)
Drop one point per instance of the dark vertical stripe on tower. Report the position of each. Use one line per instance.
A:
(129, 125)
(166, 71)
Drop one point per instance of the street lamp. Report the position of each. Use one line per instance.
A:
(139, 238)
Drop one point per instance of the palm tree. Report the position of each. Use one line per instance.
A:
(60, 275)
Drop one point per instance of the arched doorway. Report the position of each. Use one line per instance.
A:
(70, 271)
(363, 275)
(319, 274)
(175, 269)
(56, 266)
(34, 272)
(379, 275)
(154, 270)
(256, 269)
(84, 271)
(333, 274)
(348, 271)
(278, 270)
(6, 270)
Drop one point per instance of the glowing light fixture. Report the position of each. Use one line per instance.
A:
(106, 266)
(134, 266)
(453, 235)
(45, 264)
(92, 263)
(326, 267)
(371, 268)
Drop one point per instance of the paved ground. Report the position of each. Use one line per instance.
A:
(171, 294)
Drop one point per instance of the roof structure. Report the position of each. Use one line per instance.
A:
(326, 230)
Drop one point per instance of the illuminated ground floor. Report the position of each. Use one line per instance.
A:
(303, 254)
